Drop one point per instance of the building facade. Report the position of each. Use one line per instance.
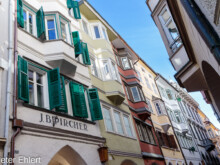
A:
(189, 109)
(150, 149)
(182, 131)
(162, 125)
(190, 32)
(117, 126)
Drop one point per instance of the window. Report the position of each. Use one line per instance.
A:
(139, 76)
(108, 119)
(145, 132)
(162, 91)
(106, 70)
(126, 89)
(117, 121)
(128, 125)
(85, 27)
(154, 87)
(159, 111)
(211, 135)
(169, 94)
(51, 28)
(125, 63)
(170, 29)
(114, 72)
(29, 21)
(65, 31)
(135, 94)
(178, 118)
(37, 86)
(149, 105)
(104, 34)
(93, 67)
(147, 82)
(97, 33)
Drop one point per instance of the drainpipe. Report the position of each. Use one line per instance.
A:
(9, 76)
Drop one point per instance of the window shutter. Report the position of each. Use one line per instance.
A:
(94, 102)
(165, 140)
(23, 90)
(63, 107)
(172, 142)
(69, 4)
(159, 138)
(54, 88)
(78, 100)
(77, 43)
(85, 52)
(20, 16)
(76, 10)
(40, 24)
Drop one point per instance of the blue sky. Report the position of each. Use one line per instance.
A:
(132, 20)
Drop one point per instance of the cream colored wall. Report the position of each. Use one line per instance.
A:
(117, 160)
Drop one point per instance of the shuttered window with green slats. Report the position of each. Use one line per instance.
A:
(20, 16)
(85, 53)
(40, 24)
(71, 4)
(23, 93)
(54, 88)
(63, 107)
(94, 104)
(77, 43)
(78, 100)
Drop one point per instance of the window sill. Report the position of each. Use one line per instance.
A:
(148, 143)
(114, 133)
(57, 113)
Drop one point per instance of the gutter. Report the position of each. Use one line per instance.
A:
(204, 27)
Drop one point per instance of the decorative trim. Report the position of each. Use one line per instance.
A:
(152, 155)
(127, 154)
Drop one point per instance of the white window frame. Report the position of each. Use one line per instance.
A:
(87, 25)
(55, 26)
(34, 24)
(138, 92)
(67, 30)
(149, 104)
(121, 122)
(94, 60)
(111, 118)
(45, 86)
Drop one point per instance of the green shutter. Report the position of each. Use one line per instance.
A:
(76, 10)
(94, 103)
(54, 88)
(85, 53)
(20, 16)
(78, 100)
(23, 92)
(77, 43)
(69, 4)
(40, 24)
(63, 107)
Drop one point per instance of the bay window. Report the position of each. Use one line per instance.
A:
(94, 67)
(97, 32)
(106, 70)
(145, 132)
(65, 31)
(149, 105)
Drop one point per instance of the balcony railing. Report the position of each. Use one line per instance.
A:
(176, 44)
(209, 146)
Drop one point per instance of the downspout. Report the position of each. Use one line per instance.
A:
(9, 77)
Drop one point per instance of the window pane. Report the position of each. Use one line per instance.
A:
(25, 19)
(125, 63)
(50, 24)
(85, 27)
(106, 70)
(135, 94)
(158, 108)
(30, 75)
(173, 30)
(96, 29)
(108, 120)
(63, 30)
(139, 131)
(114, 74)
(118, 123)
(104, 33)
(52, 34)
(165, 16)
(93, 68)
(39, 78)
(150, 133)
(149, 105)
(31, 93)
(147, 83)
(30, 23)
(145, 134)
(127, 126)
(40, 95)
